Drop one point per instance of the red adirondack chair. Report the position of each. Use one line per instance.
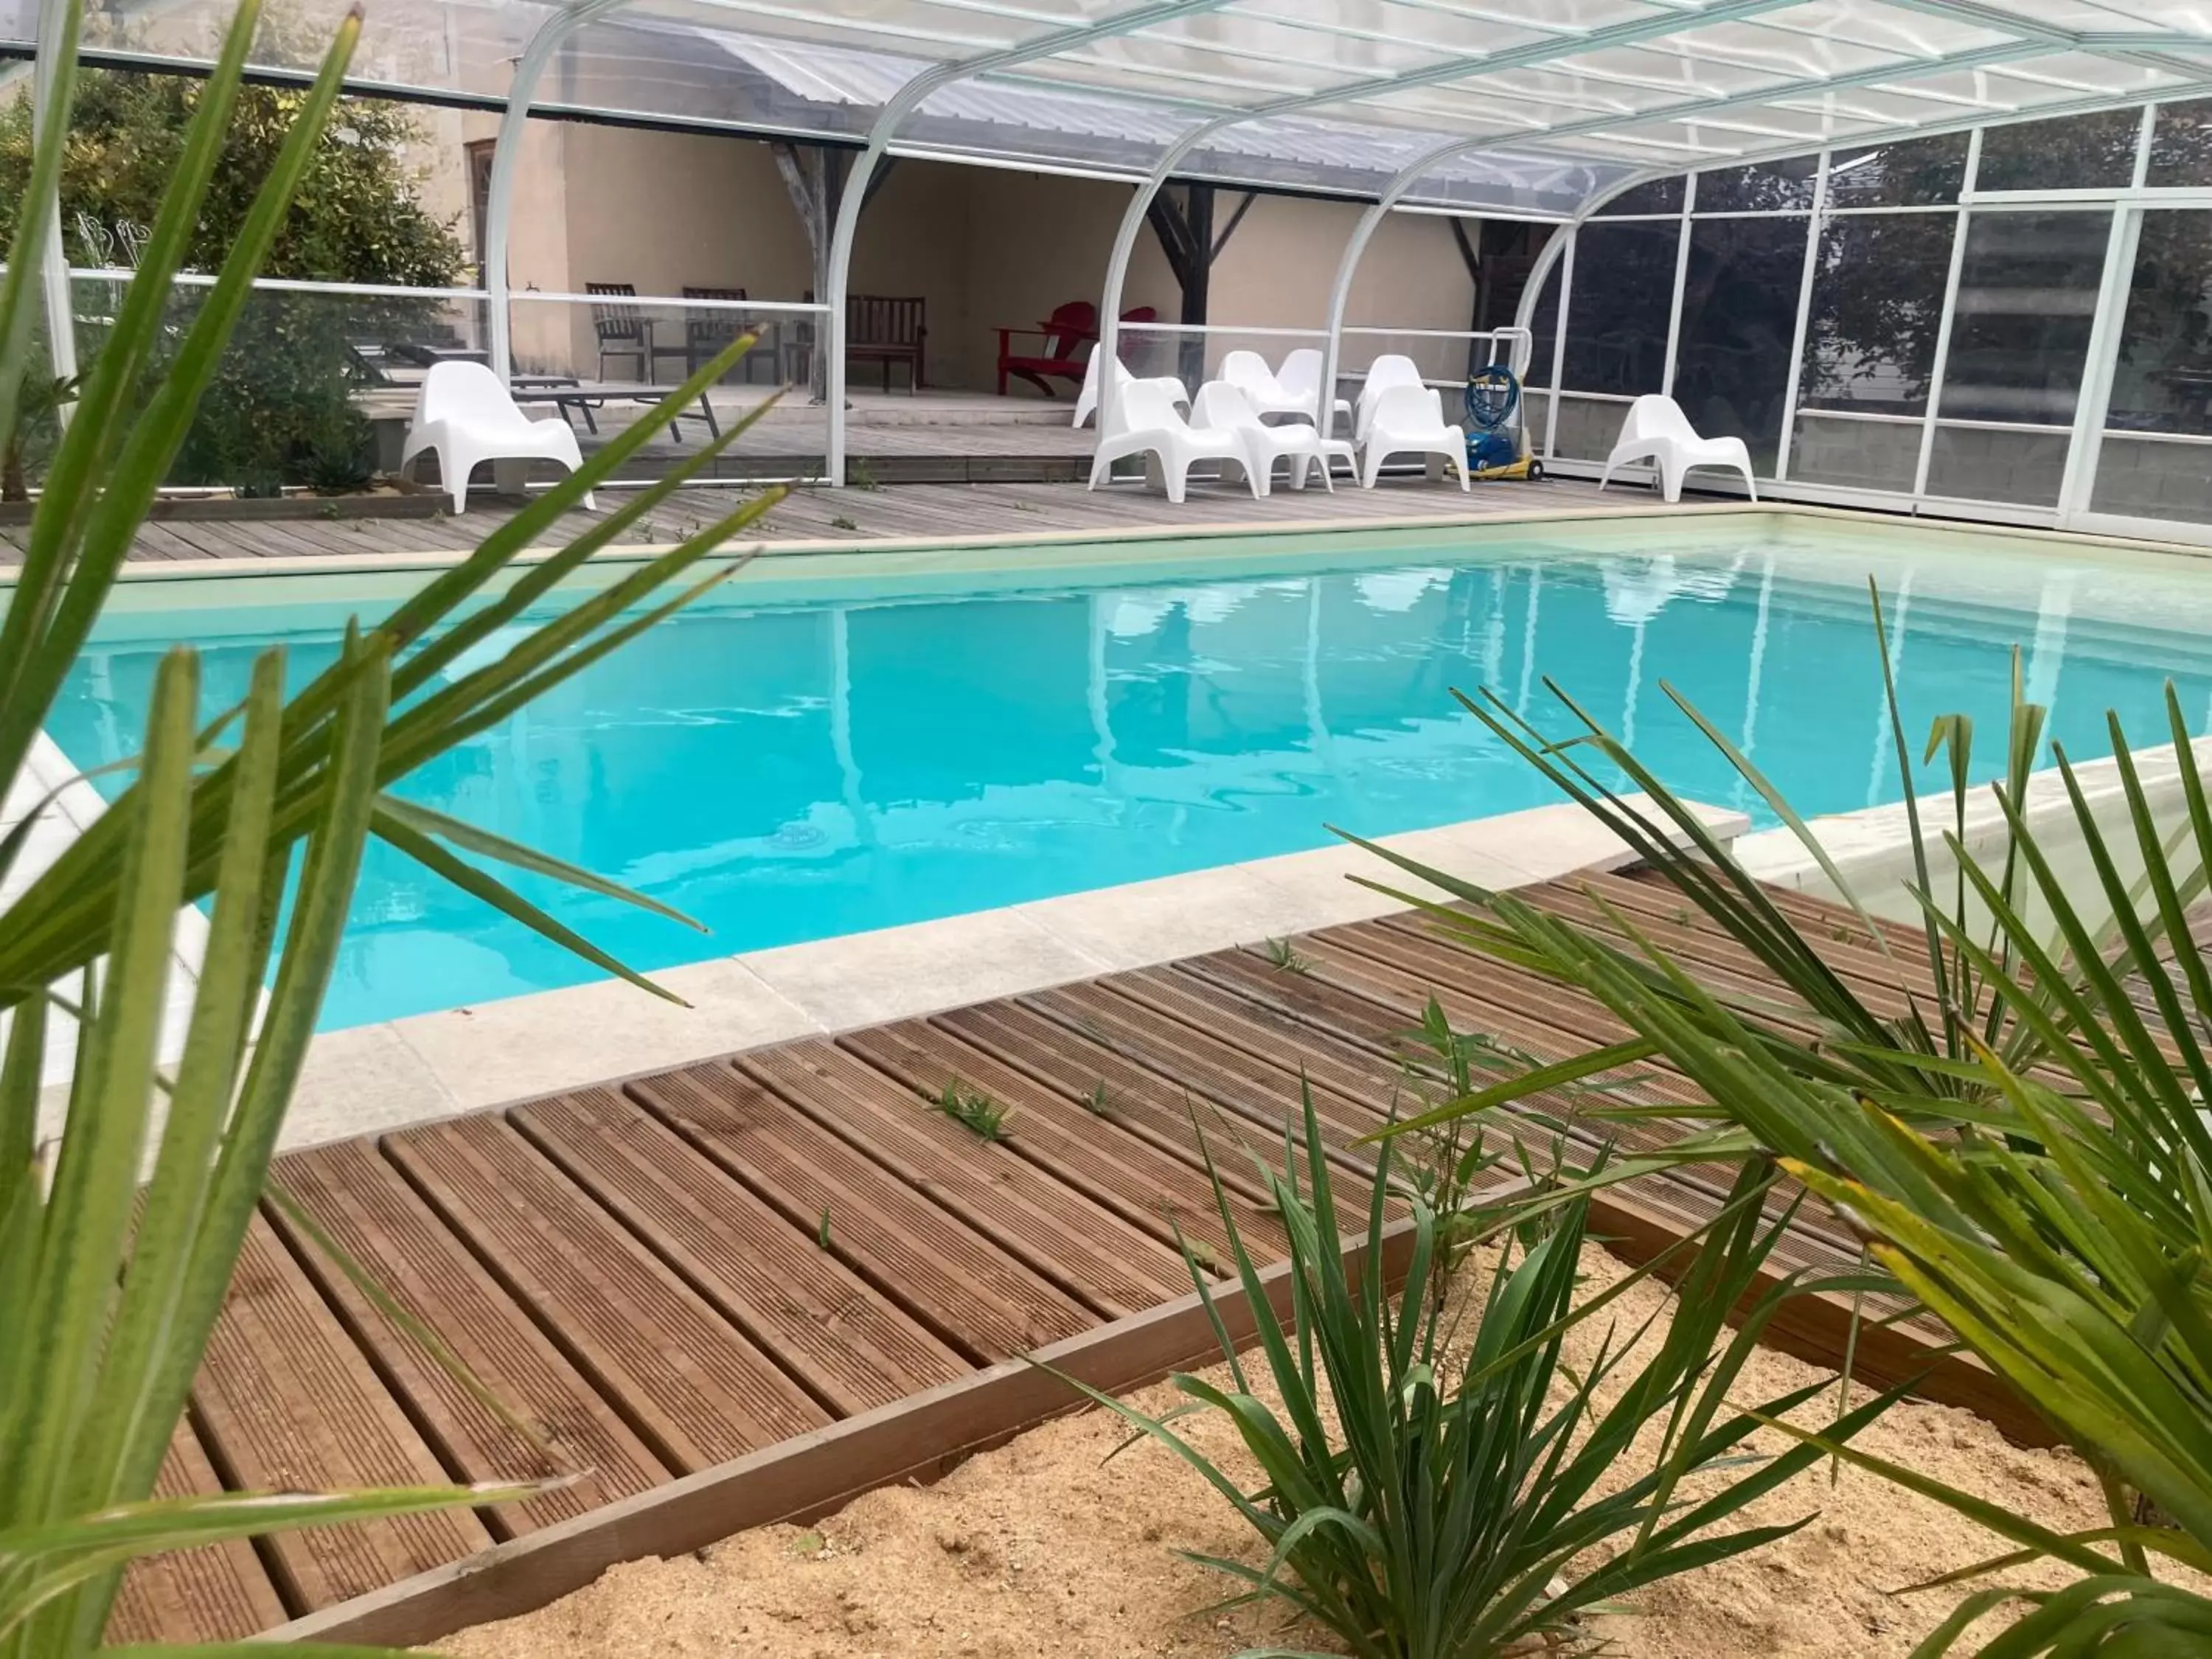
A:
(1064, 335)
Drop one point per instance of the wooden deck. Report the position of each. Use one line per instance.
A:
(903, 511)
(727, 1292)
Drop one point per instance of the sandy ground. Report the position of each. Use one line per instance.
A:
(1046, 1547)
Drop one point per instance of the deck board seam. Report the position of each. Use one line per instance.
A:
(416, 1412)
(697, 1284)
(637, 1421)
(961, 1209)
(857, 1263)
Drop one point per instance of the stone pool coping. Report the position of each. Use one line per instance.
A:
(370, 1079)
(1872, 846)
(884, 555)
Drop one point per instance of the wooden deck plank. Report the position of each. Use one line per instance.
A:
(218, 1592)
(1167, 1108)
(850, 1346)
(1243, 1116)
(371, 1212)
(1258, 1029)
(1205, 1062)
(285, 1401)
(695, 1390)
(1843, 942)
(1094, 1256)
(1693, 941)
(977, 509)
(1087, 1146)
(1496, 999)
(646, 1269)
(970, 1293)
(1304, 997)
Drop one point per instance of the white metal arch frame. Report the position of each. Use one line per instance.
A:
(2029, 41)
(909, 98)
(1550, 49)
(1559, 249)
(1687, 128)
(506, 156)
(557, 31)
(1988, 57)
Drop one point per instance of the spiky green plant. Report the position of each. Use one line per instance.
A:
(1438, 1515)
(972, 1110)
(2026, 1149)
(108, 1288)
(1283, 956)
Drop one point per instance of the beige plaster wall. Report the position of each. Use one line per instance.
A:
(538, 247)
(1277, 270)
(984, 246)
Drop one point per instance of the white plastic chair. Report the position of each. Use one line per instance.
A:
(1657, 431)
(1300, 377)
(1086, 401)
(1226, 409)
(1410, 420)
(1144, 422)
(1385, 372)
(465, 417)
(1249, 373)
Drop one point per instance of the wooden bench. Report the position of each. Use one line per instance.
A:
(887, 331)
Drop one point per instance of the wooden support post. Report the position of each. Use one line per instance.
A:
(815, 176)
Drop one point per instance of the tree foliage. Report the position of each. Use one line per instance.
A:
(281, 409)
(355, 219)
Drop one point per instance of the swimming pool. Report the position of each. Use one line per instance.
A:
(824, 748)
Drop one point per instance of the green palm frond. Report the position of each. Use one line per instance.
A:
(110, 1279)
(1439, 1514)
(2026, 1151)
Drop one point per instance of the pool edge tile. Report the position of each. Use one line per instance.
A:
(494, 1054)
(498, 1054)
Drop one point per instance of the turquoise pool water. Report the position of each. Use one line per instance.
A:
(804, 760)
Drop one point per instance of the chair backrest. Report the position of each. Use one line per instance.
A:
(1140, 314)
(467, 393)
(1069, 327)
(1405, 407)
(1388, 370)
(616, 322)
(1249, 370)
(1222, 407)
(1385, 372)
(713, 327)
(1655, 415)
(1301, 372)
(1139, 404)
(876, 320)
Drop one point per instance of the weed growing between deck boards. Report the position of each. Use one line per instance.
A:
(109, 1290)
(1441, 1517)
(1448, 1151)
(2026, 1150)
(1283, 955)
(973, 1110)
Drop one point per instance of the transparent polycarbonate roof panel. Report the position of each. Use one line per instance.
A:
(938, 29)
(1898, 29)
(1434, 28)
(438, 45)
(1556, 98)
(2082, 17)
(1262, 45)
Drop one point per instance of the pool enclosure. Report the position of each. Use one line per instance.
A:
(1912, 251)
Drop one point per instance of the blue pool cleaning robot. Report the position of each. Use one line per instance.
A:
(1497, 436)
